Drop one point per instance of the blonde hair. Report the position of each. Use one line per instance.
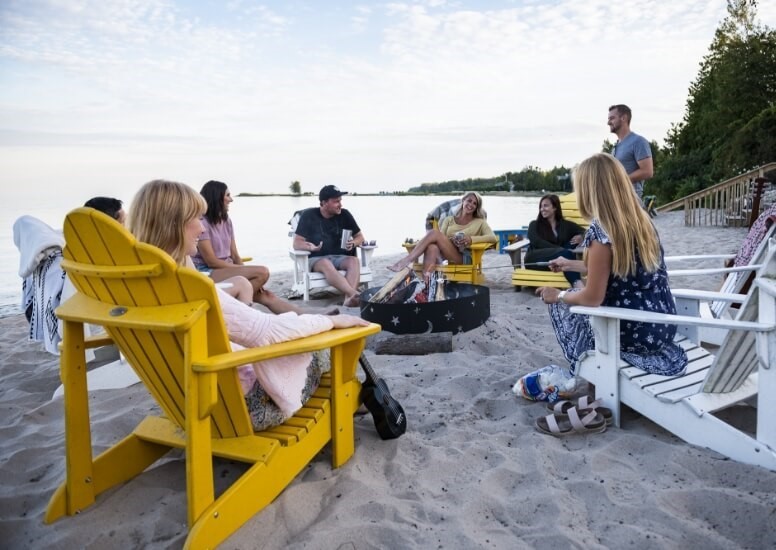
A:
(479, 212)
(159, 213)
(605, 192)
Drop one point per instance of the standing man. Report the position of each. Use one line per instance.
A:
(631, 149)
(320, 232)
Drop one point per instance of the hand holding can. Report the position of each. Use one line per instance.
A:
(346, 234)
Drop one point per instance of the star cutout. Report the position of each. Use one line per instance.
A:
(449, 315)
(395, 321)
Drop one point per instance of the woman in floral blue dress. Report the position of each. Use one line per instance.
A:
(625, 268)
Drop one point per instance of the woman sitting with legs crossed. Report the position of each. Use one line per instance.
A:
(454, 236)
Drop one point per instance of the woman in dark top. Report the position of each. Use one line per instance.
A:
(552, 237)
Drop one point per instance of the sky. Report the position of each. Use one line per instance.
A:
(104, 95)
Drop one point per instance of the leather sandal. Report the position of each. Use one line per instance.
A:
(571, 423)
(561, 407)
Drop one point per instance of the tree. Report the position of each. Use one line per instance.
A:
(295, 188)
(727, 108)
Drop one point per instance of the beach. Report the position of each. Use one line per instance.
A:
(471, 471)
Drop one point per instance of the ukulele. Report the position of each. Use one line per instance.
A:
(388, 415)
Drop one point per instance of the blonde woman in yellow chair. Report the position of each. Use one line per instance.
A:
(453, 238)
(167, 215)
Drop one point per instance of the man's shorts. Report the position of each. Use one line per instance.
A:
(337, 259)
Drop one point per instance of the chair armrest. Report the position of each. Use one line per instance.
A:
(324, 340)
(517, 245)
(712, 270)
(172, 318)
(293, 252)
(707, 295)
(481, 246)
(699, 257)
(624, 314)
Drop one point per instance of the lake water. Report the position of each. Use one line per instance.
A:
(261, 226)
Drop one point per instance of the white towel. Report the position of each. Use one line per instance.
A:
(34, 238)
(40, 248)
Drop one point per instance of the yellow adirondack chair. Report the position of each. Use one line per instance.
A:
(167, 322)
(534, 277)
(462, 273)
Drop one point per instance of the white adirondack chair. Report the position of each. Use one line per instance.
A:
(743, 368)
(733, 284)
(306, 280)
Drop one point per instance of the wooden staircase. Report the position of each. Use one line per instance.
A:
(733, 202)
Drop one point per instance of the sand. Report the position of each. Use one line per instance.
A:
(471, 471)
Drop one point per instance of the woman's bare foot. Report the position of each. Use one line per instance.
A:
(352, 301)
(398, 266)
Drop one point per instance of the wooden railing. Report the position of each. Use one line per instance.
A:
(725, 203)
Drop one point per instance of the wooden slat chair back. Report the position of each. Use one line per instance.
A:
(735, 282)
(138, 275)
(167, 322)
(522, 276)
(570, 208)
(741, 370)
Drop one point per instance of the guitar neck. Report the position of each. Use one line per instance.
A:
(367, 368)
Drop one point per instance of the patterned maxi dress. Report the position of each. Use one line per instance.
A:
(648, 346)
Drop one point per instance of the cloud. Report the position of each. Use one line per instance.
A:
(398, 86)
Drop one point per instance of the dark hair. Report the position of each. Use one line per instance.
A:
(213, 193)
(545, 229)
(106, 205)
(623, 110)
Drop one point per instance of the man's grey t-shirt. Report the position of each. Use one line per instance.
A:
(629, 152)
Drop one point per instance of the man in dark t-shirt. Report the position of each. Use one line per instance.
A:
(320, 232)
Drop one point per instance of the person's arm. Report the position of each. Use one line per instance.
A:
(205, 248)
(485, 234)
(304, 232)
(300, 243)
(536, 241)
(572, 233)
(564, 264)
(599, 267)
(236, 258)
(358, 239)
(644, 171)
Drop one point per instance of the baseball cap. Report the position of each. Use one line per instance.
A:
(330, 192)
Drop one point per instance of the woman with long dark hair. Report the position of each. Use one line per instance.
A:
(552, 236)
(217, 253)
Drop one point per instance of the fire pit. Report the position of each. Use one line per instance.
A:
(465, 307)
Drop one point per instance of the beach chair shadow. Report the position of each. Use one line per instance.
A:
(522, 276)
(167, 322)
(306, 280)
(686, 405)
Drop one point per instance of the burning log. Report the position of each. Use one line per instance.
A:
(406, 288)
